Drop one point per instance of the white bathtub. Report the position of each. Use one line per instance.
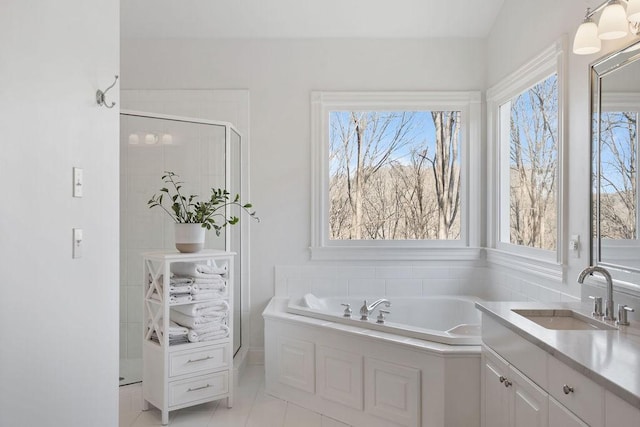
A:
(450, 320)
(413, 371)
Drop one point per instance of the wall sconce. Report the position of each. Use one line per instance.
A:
(151, 138)
(615, 23)
(167, 139)
(134, 139)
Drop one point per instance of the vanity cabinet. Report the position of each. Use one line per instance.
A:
(182, 369)
(510, 398)
(559, 416)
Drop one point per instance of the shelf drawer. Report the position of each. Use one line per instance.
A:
(197, 389)
(586, 399)
(200, 359)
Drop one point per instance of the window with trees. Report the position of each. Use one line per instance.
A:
(526, 134)
(391, 169)
(529, 166)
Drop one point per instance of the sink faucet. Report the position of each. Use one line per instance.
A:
(366, 310)
(608, 312)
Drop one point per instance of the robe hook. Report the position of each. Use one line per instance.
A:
(100, 95)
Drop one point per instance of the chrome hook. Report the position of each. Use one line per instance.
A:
(100, 95)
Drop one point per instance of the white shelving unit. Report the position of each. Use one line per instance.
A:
(178, 375)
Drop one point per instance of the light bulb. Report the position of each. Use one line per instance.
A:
(167, 139)
(150, 138)
(134, 139)
(633, 10)
(613, 22)
(586, 40)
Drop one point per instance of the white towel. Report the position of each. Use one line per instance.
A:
(197, 337)
(203, 308)
(180, 298)
(204, 296)
(190, 321)
(213, 327)
(175, 280)
(217, 286)
(190, 269)
(184, 289)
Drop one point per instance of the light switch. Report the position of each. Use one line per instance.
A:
(78, 182)
(77, 243)
(574, 246)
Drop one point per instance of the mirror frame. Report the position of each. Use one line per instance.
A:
(598, 70)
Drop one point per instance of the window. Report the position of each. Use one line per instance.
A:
(525, 132)
(529, 166)
(391, 171)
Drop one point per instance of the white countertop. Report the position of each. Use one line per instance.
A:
(610, 358)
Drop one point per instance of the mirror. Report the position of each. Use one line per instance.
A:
(615, 97)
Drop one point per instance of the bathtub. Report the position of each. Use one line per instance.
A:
(442, 319)
(421, 368)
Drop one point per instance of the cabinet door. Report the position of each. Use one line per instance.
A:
(495, 396)
(530, 407)
(559, 416)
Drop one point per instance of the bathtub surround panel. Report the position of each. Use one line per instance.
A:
(389, 377)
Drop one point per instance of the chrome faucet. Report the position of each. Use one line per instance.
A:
(366, 310)
(609, 314)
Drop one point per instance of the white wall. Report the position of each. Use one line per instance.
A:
(280, 75)
(58, 316)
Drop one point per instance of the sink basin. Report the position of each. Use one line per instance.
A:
(564, 320)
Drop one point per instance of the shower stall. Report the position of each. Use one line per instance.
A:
(205, 154)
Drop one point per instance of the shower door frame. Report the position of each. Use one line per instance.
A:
(241, 289)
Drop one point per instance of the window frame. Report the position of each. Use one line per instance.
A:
(467, 247)
(548, 263)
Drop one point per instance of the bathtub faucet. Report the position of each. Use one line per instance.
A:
(366, 310)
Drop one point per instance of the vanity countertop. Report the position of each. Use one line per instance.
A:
(610, 358)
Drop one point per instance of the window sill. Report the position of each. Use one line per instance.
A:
(542, 268)
(368, 253)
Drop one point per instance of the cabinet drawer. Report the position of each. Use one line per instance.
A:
(199, 388)
(587, 398)
(200, 359)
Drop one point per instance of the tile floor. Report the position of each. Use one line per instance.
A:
(253, 407)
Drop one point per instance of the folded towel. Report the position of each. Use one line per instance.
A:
(190, 321)
(175, 329)
(204, 296)
(180, 298)
(183, 289)
(219, 286)
(197, 337)
(213, 327)
(175, 280)
(190, 269)
(202, 308)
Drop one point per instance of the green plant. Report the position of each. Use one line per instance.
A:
(186, 210)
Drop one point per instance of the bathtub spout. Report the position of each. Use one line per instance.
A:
(366, 310)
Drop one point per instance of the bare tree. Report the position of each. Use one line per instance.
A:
(618, 185)
(534, 166)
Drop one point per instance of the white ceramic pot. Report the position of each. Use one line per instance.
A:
(189, 237)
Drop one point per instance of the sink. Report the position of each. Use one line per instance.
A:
(564, 320)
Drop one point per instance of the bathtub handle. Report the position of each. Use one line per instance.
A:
(347, 310)
(381, 315)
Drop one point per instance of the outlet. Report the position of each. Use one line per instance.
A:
(78, 182)
(77, 243)
(574, 246)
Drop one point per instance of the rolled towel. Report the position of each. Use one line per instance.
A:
(180, 298)
(219, 334)
(202, 308)
(190, 269)
(213, 327)
(204, 296)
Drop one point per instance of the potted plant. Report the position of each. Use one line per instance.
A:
(193, 217)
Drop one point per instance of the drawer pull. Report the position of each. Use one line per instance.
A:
(508, 383)
(567, 389)
(199, 388)
(502, 379)
(199, 360)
